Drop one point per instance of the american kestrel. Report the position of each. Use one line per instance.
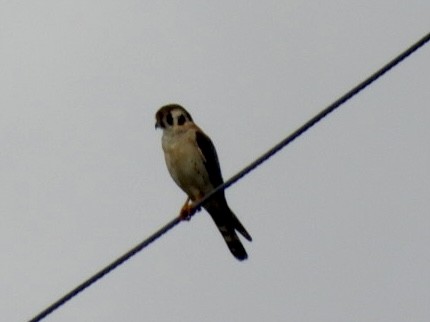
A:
(192, 162)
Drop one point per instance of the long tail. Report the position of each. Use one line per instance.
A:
(227, 224)
(233, 242)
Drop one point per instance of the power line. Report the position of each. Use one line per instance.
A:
(333, 106)
(78, 289)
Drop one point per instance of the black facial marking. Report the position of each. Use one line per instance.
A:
(169, 119)
(181, 119)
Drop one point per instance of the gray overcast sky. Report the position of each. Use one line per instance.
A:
(340, 219)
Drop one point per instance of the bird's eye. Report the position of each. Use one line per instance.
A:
(181, 120)
(169, 119)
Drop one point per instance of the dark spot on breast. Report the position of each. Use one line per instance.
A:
(181, 120)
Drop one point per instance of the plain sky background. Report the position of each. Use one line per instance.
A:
(340, 218)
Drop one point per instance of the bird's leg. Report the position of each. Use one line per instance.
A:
(188, 209)
(185, 213)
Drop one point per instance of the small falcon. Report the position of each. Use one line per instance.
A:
(192, 162)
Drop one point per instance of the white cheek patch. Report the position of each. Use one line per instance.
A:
(179, 117)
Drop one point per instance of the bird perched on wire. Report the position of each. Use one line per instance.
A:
(193, 163)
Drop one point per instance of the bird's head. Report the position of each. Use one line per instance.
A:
(172, 116)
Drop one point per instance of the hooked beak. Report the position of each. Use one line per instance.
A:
(159, 125)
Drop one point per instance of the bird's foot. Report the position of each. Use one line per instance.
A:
(188, 210)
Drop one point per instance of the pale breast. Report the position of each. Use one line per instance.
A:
(185, 164)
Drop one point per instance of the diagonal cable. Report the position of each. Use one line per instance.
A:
(354, 91)
(318, 117)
